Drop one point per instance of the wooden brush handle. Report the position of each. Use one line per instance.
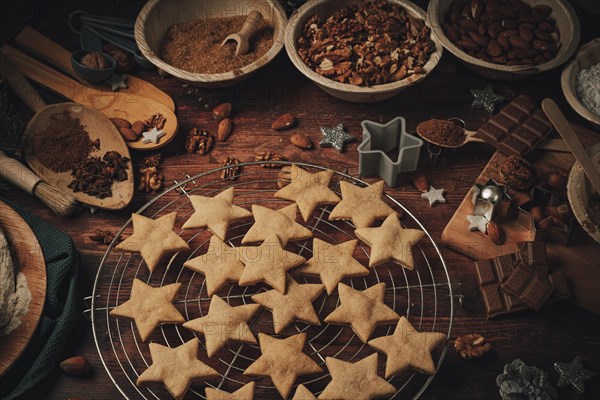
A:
(20, 85)
(18, 174)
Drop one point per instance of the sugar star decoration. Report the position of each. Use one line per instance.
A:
(573, 374)
(335, 137)
(153, 238)
(308, 190)
(434, 196)
(117, 81)
(176, 367)
(357, 380)
(246, 392)
(149, 307)
(477, 223)
(363, 310)
(215, 213)
(486, 98)
(152, 136)
(224, 323)
(282, 360)
(408, 348)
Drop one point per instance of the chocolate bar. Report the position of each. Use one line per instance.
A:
(527, 285)
(534, 254)
(518, 128)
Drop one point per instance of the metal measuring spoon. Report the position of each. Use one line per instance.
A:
(251, 23)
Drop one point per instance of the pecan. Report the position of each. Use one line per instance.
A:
(231, 173)
(471, 346)
(156, 121)
(199, 141)
(268, 156)
(95, 60)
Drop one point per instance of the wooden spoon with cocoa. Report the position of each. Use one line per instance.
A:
(449, 133)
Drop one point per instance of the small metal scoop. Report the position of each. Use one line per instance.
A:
(251, 23)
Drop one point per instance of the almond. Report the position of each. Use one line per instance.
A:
(224, 129)
(496, 233)
(421, 183)
(557, 181)
(517, 42)
(128, 134)
(540, 45)
(468, 44)
(138, 127)
(284, 122)
(301, 141)
(120, 122)
(494, 49)
(221, 111)
(76, 366)
(476, 9)
(480, 40)
(526, 34)
(468, 24)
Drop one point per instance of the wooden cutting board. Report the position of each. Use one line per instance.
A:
(27, 255)
(578, 261)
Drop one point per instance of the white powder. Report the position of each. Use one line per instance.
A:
(588, 88)
(14, 294)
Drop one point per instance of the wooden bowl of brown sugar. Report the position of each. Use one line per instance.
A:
(183, 38)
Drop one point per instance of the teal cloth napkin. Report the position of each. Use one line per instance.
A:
(61, 314)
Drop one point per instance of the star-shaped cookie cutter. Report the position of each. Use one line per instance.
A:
(491, 200)
(378, 140)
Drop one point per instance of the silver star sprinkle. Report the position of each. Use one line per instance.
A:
(434, 196)
(478, 223)
(335, 137)
(152, 136)
(117, 81)
(573, 374)
(486, 98)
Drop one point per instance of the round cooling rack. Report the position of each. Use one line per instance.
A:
(424, 295)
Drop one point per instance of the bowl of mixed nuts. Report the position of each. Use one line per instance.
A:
(187, 39)
(506, 39)
(362, 51)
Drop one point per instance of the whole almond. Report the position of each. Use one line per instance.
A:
(479, 39)
(496, 233)
(284, 122)
(224, 129)
(476, 9)
(138, 127)
(494, 49)
(128, 134)
(468, 44)
(421, 183)
(221, 111)
(526, 34)
(76, 366)
(468, 24)
(120, 122)
(540, 45)
(301, 141)
(517, 42)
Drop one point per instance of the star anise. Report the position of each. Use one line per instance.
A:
(104, 237)
(152, 160)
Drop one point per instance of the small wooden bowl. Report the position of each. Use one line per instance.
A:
(588, 55)
(563, 14)
(157, 16)
(344, 91)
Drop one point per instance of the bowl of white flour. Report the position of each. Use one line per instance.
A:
(580, 82)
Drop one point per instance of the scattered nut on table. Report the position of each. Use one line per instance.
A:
(471, 346)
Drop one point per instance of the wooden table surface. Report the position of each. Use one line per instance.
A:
(556, 333)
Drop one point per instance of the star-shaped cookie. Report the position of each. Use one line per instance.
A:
(176, 367)
(302, 393)
(149, 307)
(267, 263)
(246, 392)
(363, 310)
(224, 323)
(296, 303)
(153, 238)
(357, 381)
(282, 360)
(282, 222)
(219, 265)
(308, 190)
(333, 262)
(390, 241)
(408, 348)
(362, 205)
(215, 213)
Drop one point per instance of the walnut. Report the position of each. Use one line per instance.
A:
(231, 173)
(94, 59)
(471, 346)
(156, 121)
(268, 156)
(125, 62)
(150, 179)
(199, 141)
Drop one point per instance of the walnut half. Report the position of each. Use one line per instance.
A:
(471, 346)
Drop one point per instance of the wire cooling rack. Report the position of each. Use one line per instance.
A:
(424, 295)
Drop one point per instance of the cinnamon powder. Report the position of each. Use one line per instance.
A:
(63, 144)
(442, 132)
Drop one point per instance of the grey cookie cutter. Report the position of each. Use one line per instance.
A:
(378, 140)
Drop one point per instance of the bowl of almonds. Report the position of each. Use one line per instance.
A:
(506, 39)
(362, 51)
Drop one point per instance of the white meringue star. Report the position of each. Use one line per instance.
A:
(477, 223)
(152, 136)
(434, 196)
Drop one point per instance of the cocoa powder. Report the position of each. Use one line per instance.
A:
(63, 144)
(445, 133)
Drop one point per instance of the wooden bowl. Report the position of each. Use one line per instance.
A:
(344, 91)
(157, 16)
(588, 55)
(566, 21)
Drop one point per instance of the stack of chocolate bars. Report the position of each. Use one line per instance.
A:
(519, 281)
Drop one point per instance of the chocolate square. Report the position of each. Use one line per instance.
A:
(537, 292)
(534, 254)
(503, 122)
(525, 103)
(515, 113)
(511, 145)
(485, 272)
